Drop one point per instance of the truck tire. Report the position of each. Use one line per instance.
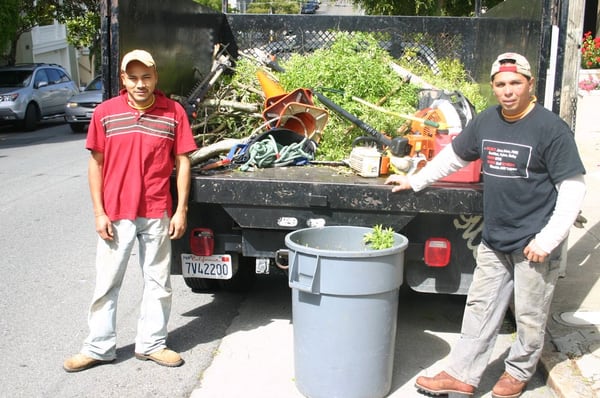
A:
(200, 285)
(244, 278)
(78, 127)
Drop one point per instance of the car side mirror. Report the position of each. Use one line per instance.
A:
(41, 84)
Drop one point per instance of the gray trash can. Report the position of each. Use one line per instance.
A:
(344, 311)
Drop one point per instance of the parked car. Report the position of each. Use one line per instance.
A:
(79, 108)
(308, 8)
(32, 92)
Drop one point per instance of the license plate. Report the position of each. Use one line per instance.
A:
(217, 266)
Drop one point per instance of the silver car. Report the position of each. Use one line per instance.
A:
(79, 108)
(33, 92)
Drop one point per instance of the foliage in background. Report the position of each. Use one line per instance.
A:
(82, 19)
(9, 16)
(258, 7)
(212, 4)
(371, 7)
(29, 14)
(273, 7)
(423, 7)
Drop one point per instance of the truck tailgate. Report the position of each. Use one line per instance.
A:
(326, 187)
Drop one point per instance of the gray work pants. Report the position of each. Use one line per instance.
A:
(496, 278)
(111, 262)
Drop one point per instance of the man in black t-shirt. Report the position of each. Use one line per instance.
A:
(533, 190)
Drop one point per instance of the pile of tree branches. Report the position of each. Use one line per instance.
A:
(353, 66)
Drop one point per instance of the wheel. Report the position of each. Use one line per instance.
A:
(200, 285)
(77, 127)
(31, 118)
(245, 276)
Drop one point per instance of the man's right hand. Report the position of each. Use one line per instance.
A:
(104, 227)
(399, 182)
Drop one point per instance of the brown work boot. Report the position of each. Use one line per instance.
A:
(508, 387)
(164, 357)
(79, 362)
(443, 383)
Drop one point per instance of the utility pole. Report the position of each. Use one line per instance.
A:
(477, 8)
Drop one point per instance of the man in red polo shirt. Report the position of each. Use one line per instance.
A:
(136, 140)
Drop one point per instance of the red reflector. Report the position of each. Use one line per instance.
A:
(437, 252)
(202, 241)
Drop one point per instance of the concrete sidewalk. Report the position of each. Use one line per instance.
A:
(572, 352)
(255, 359)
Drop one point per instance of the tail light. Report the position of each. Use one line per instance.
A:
(437, 252)
(202, 241)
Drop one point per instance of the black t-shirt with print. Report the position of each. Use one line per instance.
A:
(522, 162)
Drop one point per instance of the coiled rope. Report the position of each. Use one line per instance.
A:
(268, 153)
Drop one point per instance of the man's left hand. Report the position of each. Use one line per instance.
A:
(177, 225)
(534, 253)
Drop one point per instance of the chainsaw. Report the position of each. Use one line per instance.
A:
(221, 62)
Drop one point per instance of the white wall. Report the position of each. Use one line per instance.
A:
(45, 44)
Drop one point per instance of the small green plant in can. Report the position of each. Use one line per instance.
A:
(379, 238)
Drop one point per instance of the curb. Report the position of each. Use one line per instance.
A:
(564, 377)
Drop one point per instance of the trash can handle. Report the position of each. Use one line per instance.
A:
(304, 280)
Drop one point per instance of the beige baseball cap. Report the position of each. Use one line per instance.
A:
(511, 62)
(138, 55)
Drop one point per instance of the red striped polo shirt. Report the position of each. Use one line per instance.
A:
(139, 154)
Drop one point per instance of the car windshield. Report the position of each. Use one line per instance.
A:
(15, 78)
(94, 85)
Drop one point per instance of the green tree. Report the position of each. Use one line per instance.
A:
(28, 15)
(258, 6)
(9, 14)
(212, 4)
(273, 7)
(82, 19)
(422, 7)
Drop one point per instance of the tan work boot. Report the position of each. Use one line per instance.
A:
(164, 357)
(508, 387)
(443, 383)
(79, 362)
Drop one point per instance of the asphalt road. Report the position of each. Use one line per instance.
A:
(47, 272)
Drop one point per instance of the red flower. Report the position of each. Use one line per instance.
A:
(590, 51)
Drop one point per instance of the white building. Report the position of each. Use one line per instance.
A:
(48, 44)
